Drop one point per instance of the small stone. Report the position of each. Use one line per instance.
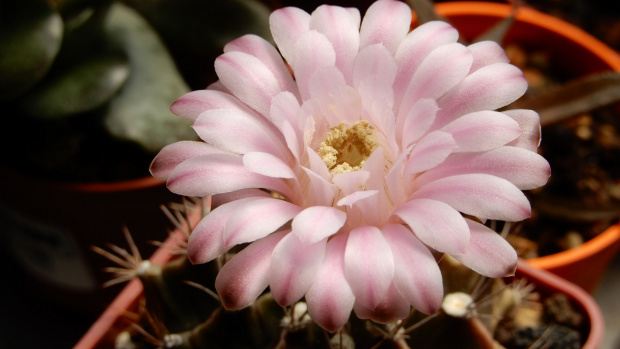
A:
(571, 239)
(528, 316)
(517, 55)
(561, 310)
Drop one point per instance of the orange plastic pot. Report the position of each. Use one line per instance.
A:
(49, 228)
(576, 53)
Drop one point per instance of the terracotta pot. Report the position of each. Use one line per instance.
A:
(548, 283)
(50, 227)
(577, 53)
(113, 320)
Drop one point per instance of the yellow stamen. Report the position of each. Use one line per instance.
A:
(345, 149)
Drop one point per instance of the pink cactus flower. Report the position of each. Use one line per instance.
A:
(382, 148)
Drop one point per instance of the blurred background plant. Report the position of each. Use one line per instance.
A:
(86, 85)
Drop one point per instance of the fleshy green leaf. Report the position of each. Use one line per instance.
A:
(575, 209)
(498, 31)
(80, 88)
(196, 31)
(576, 97)
(141, 111)
(425, 11)
(30, 36)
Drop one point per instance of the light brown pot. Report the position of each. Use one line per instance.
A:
(575, 52)
(49, 227)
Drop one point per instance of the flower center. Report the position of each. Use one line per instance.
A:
(345, 149)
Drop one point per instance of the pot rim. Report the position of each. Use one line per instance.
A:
(585, 300)
(79, 186)
(589, 248)
(126, 185)
(536, 18)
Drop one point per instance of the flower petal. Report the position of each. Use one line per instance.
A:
(369, 265)
(246, 275)
(418, 121)
(287, 25)
(317, 165)
(376, 166)
(352, 199)
(488, 88)
(432, 150)
(436, 223)
(283, 114)
(529, 121)
(332, 99)
(375, 208)
(267, 165)
(394, 181)
(342, 30)
(391, 308)
(318, 223)
(319, 192)
(220, 199)
(206, 240)
(523, 168)
(266, 53)
(294, 266)
(374, 60)
(174, 154)
(239, 132)
(479, 195)
(482, 130)
(377, 99)
(311, 52)
(416, 46)
(284, 107)
(256, 219)
(443, 68)
(416, 273)
(218, 86)
(330, 298)
(248, 78)
(192, 104)
(488, 252)
(486, 53)
(217, 174)
(385, 22)
(351, 182)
